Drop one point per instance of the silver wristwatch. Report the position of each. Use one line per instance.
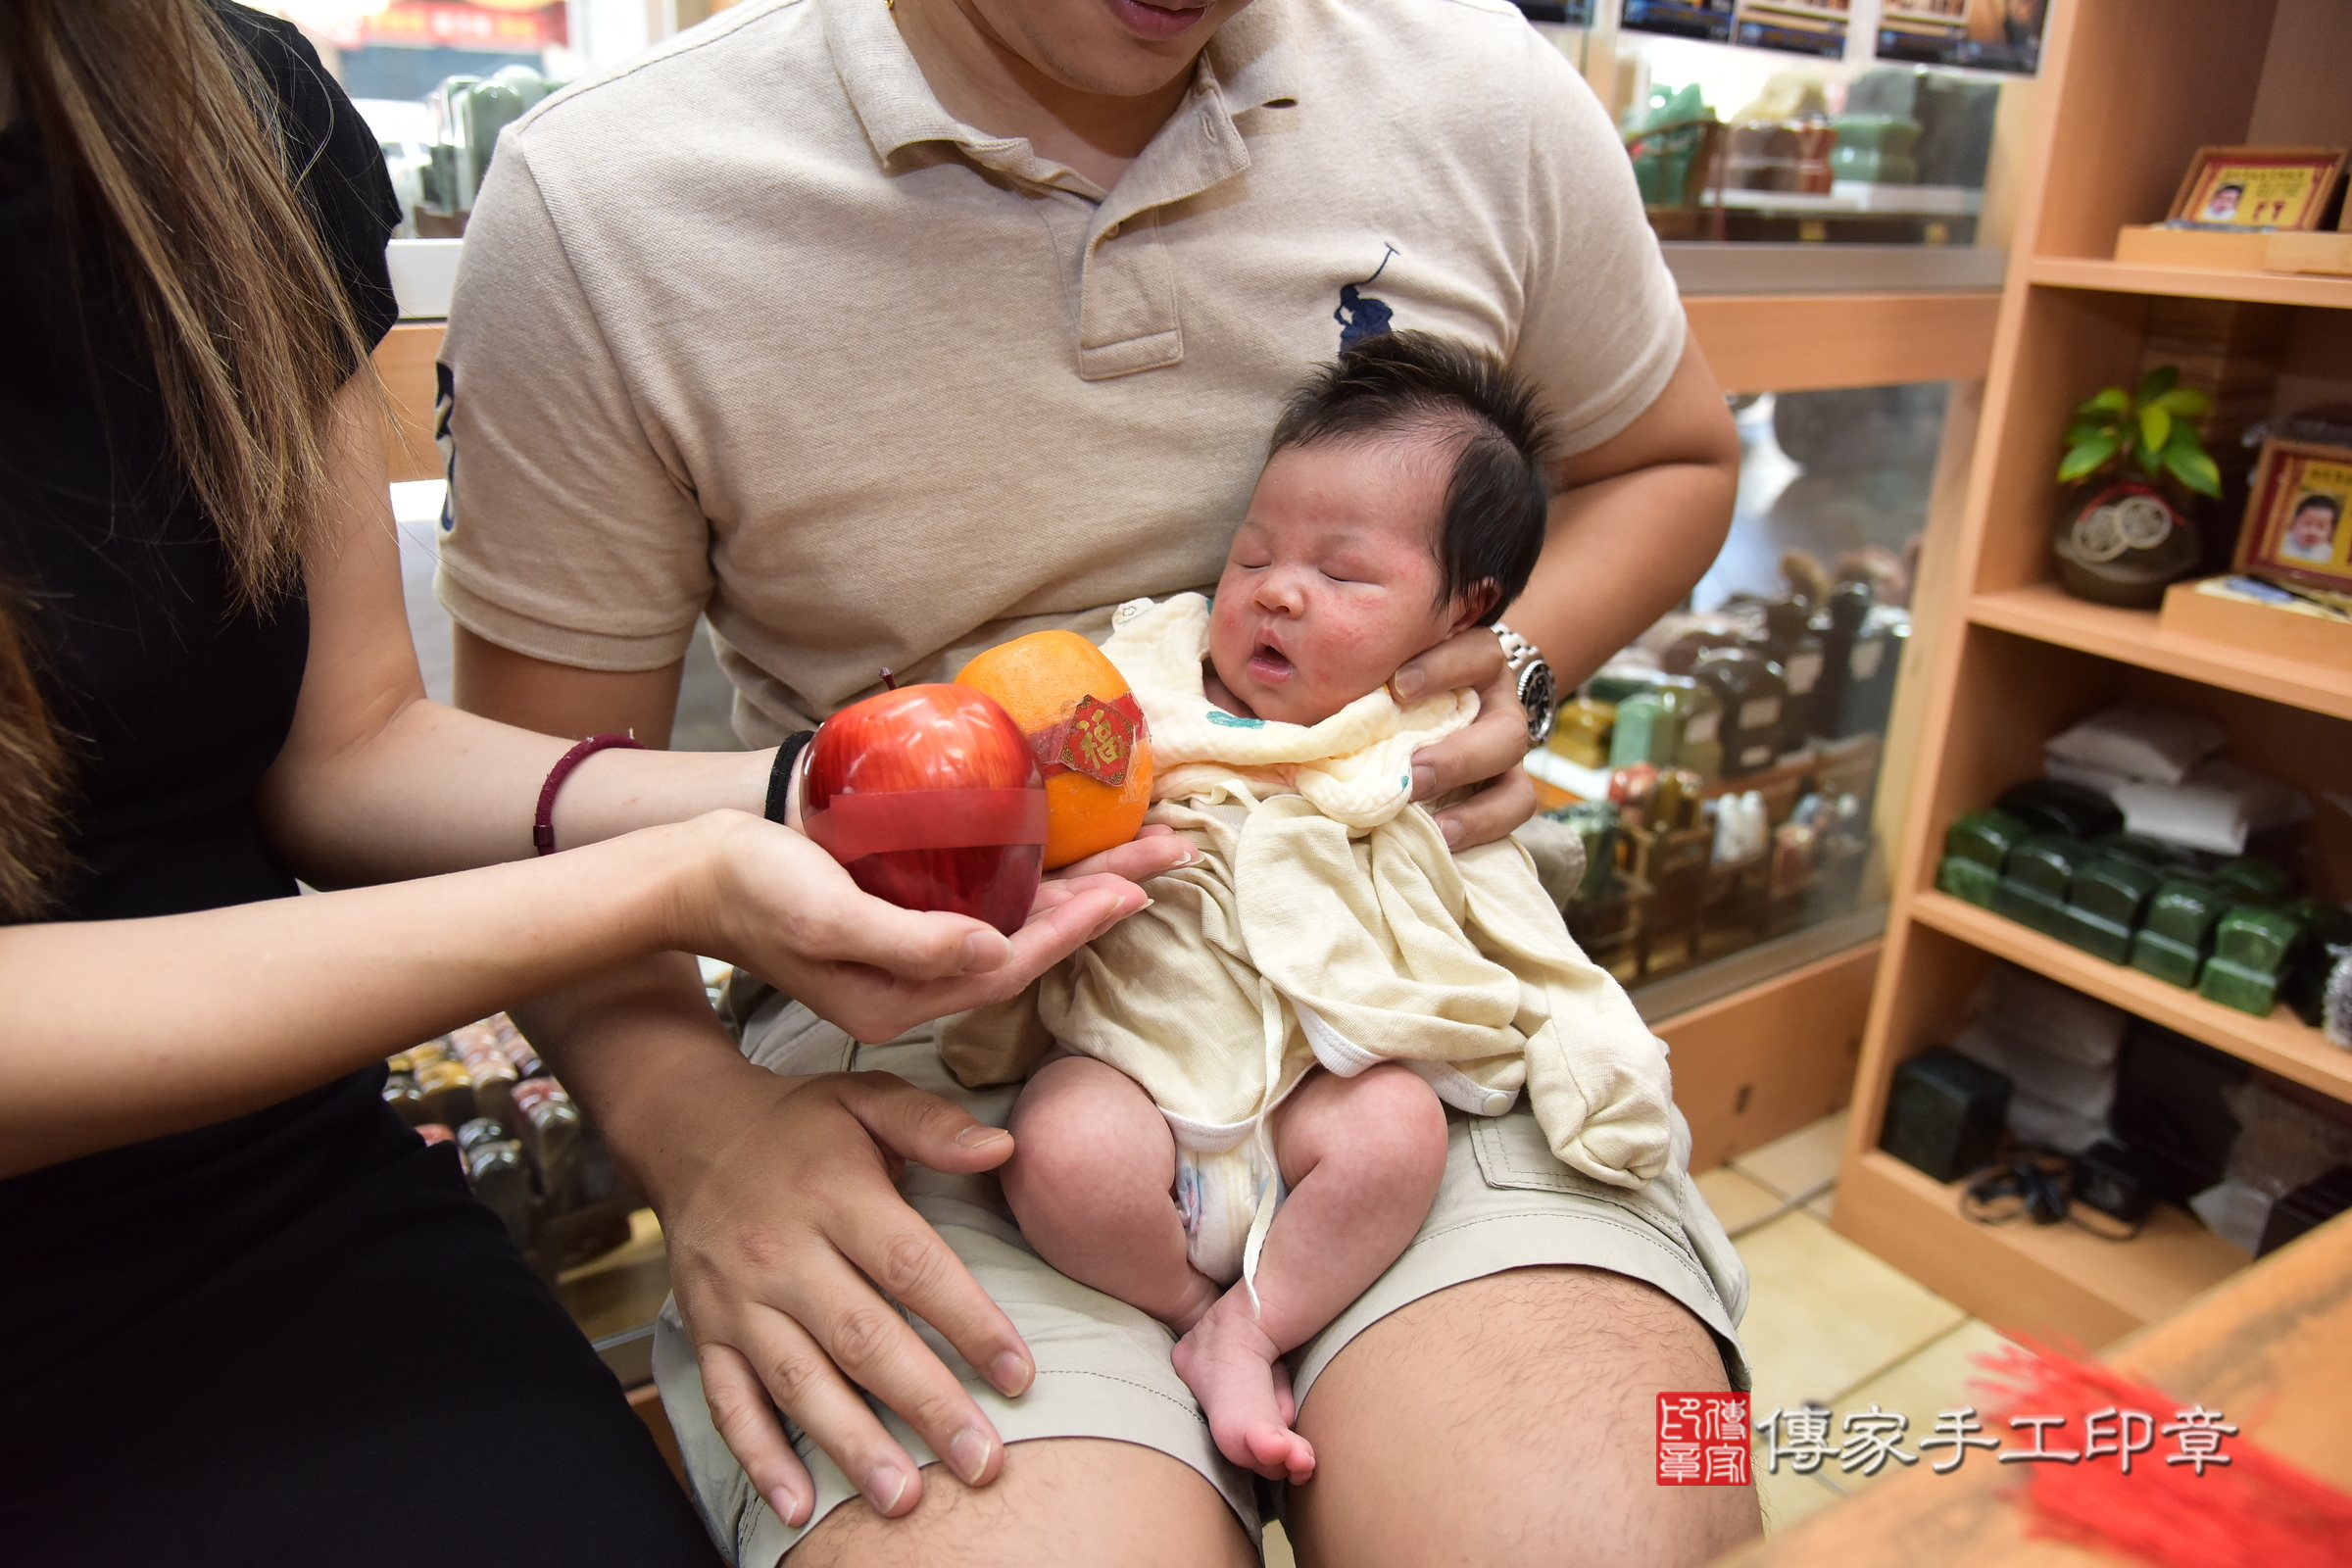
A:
(1532, 678)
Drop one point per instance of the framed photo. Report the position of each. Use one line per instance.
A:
(2257, 187)
(2298, 524)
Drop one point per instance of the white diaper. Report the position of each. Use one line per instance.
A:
(1221, 1197)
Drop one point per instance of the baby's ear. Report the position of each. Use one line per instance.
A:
(1471, 604)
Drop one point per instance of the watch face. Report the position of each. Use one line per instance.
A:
(1538, 696)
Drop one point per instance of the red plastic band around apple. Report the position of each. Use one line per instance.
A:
(853, 826)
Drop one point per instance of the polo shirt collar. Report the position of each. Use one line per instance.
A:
(1249, 63)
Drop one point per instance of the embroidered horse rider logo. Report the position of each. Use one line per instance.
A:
(1359, 314)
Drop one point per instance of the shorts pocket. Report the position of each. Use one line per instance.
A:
(1511, 1153)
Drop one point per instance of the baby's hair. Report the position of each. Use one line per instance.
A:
(1419, 384)
(2327, 503)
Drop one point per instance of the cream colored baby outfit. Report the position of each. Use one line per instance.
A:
(1327, 923)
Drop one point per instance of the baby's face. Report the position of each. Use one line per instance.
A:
(1332, 582)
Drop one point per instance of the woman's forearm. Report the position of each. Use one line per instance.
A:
(375, 783)
(439, 789)
(123, 1030)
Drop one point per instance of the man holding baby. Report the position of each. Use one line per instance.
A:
(883, 332)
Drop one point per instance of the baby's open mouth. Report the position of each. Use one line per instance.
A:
(1268, 664)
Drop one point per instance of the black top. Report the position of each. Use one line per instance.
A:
(213, 1345)
(172, 704)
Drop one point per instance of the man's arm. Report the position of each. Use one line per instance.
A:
(1634, 522)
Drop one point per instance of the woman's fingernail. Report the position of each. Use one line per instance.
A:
(1407, 683)
(981, 949)
(1451, 829)
(884, 1487)
(967, 1455)
(1424, 781)
(1010, 1373)
(787, 1506)
(980, 1136)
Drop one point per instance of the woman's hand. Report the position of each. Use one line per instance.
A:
(788, 1240)
(772, 902)
(1487, 751)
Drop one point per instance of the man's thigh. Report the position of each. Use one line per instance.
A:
(1081, 1501)
(1512, 1419)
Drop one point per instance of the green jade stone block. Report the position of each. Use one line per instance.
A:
(2172, 943)
(2251, 947)
(2250, 881)
(2033, 888)
(2258, 938)
(2030, 906)
(2095, 934)
(1608, 688)
(1985, 837)
(2326, 936)
(2235, 985)
(2047, 862)
(2116, 890)
(2157, 857)
(1964, 878)
(1648, 729)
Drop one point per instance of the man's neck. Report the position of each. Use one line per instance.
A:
(983, 83)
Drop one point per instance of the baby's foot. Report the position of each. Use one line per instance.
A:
(1234, 1370)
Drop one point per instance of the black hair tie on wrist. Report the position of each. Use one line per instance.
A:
(779, 776)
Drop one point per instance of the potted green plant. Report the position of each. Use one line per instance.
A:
(2122, 535)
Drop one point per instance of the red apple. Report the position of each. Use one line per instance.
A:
(930, 797)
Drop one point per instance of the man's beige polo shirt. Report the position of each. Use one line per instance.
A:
(754, 327)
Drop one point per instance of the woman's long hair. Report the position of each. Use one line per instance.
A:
(163, 149)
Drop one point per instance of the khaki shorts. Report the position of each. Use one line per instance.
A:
(1102, 1367)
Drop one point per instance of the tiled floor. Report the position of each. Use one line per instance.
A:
(1827, 1323)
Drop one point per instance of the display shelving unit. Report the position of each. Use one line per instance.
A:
(2130, 89)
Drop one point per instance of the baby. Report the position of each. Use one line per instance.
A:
(1259, 1063)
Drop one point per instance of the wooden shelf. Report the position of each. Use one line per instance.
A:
(2282, 1043)
(2050, 615)
(2054, 1280)
(2192, 282)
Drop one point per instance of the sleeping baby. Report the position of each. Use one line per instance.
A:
(1248, 1123)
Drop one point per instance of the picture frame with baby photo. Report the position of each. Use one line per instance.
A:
(2298, 527)
(2257, 188)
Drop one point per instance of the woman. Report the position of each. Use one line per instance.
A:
(249, 1317)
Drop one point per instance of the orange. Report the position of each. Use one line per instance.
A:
(1058, 687)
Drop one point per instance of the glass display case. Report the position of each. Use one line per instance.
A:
(1722, 772)
(1807, 122)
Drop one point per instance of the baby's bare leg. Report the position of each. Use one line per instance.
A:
(1091, 1181)
(1363, 1158)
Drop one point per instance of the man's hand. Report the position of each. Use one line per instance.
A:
(781, 1253)
(1486, 750)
